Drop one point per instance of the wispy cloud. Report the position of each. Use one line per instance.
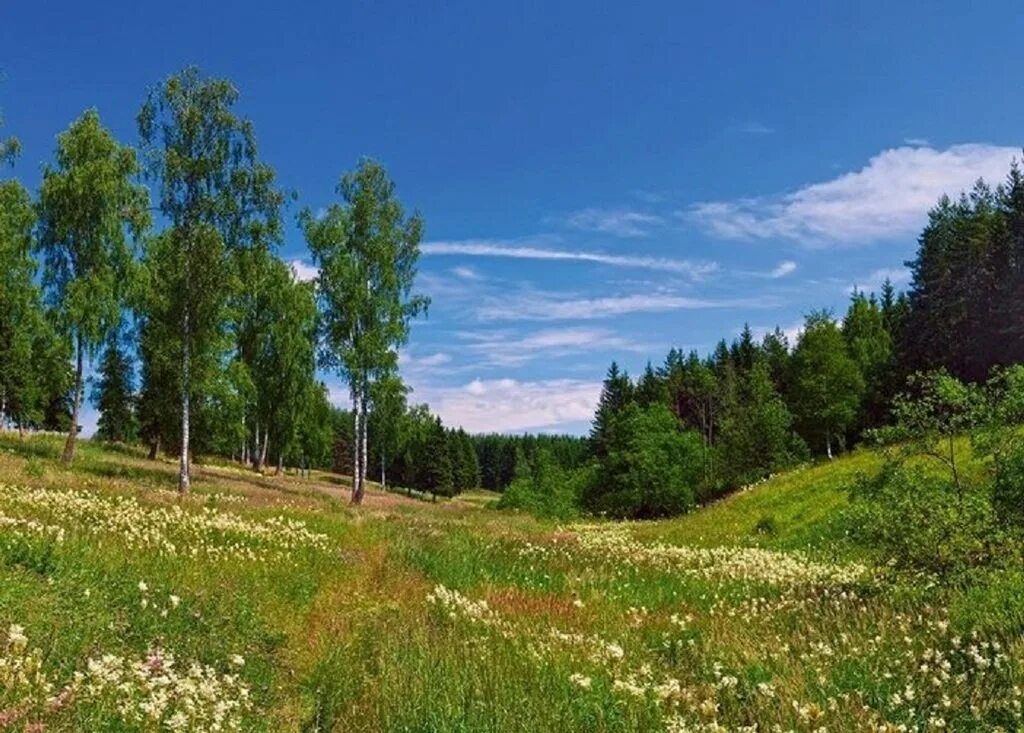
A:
(618, 222)
(466, 273)
(528, 251)
(535, 306)
(887, 198)
(752, 128)
(303, 270)
(917, 142)
(509, 405)
(787, 267)
(503, 349)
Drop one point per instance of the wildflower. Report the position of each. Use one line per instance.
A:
(580, 680)
(16, 636)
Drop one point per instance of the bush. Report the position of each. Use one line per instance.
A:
(918, 521)
(1008, 483)
(652, 469)
(766, 525)
(544, 489)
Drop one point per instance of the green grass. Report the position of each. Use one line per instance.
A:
(409, 615)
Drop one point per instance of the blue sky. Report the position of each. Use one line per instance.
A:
(598, 181)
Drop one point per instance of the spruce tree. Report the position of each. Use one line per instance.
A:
(616, 394)
(114, 395)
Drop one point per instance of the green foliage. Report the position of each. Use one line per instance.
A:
(827, 384)
(545, 489)
(925, 511)
(88, 205)
(218, 199)
(366, 250)
(114, 393)
(965, 299)
(652, 468)
(916, 520)
(756, 435)
(498, 455)
(616, 396)
(437, 462)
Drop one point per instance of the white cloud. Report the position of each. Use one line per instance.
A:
(916, 142)
(783, 269)
(872, 282)
(887, 198)
(501, 348)
(619, 222)
(466, 273)
(303, 270)
(547, 307)
(508, 405)
(500, 248)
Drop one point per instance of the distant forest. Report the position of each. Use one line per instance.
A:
(700, 425)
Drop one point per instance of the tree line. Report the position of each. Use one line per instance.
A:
(698, 426)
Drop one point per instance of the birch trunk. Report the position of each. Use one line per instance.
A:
(263, 450)
(364, 423)
(357, 487)
(69, 445)
(184, 479)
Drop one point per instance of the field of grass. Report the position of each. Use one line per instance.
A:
(267, 604)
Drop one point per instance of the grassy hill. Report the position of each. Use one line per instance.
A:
(265, 603)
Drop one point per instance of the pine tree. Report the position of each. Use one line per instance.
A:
(438, 462)
(113, 395)
(651, 388)
(616, 394)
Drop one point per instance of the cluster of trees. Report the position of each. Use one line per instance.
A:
(745, 411)
(502, 456)
(411, 449)
(699, 426)
(226, 337)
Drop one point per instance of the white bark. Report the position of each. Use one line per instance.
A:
(184, 479)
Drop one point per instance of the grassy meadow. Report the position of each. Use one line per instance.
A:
(263, 603)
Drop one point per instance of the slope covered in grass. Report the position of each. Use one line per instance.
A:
(267, 604)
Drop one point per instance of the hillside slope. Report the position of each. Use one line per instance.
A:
(268, 604)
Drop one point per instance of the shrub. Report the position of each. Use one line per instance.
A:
(919, 521)
(544, 489)
(652, 468)
(34, 468)
(766, 525)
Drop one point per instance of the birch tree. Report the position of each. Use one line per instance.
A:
(366, 249)
(90, 213)
(217, 198)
